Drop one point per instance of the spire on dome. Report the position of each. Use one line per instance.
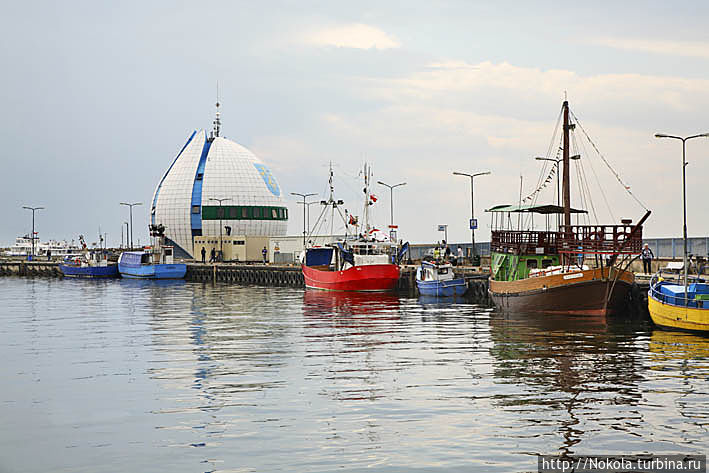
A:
(217, 121)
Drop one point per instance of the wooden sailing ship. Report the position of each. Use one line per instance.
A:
(570, 269)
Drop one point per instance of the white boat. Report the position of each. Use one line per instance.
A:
(23, 247)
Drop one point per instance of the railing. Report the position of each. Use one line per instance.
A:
(512, 241)
(601, 239)
(593, 239)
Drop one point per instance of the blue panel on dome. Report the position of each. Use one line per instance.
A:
(157, 191)
(196, 217)
(268, 179)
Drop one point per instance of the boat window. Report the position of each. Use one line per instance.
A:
(195, 209)
(442, 270)
(546, 263)
(532, 264)
(168, 251)
(144, 259)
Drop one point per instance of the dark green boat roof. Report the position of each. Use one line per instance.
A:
(540, 209)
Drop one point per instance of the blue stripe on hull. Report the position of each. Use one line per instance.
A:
(110, 271)
(153, 271)
(453, 287)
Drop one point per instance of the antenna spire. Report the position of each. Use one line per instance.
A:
(217, 121)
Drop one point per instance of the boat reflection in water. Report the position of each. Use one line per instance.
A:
(669, 347)
(565, 369)
(325, 304)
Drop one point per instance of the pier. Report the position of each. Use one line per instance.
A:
(291, 276)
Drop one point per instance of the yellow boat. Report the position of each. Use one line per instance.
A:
(670, 309)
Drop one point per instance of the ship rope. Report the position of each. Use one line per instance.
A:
(584, 152)
(583, 180)
(625, 186)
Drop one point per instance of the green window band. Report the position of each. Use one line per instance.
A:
(243, 212)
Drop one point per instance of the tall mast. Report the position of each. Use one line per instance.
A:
(566, 187)
(366, 200)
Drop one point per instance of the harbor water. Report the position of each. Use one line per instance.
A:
(130, 375)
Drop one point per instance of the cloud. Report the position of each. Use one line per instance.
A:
(455, 78)
(356, 36)
(674, 48)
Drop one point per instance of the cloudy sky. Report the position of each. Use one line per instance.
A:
(98, 97)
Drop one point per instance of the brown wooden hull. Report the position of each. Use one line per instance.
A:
(581, 293)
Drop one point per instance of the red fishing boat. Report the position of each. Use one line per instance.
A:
(359, 263)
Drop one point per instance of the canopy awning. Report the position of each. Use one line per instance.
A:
(540, 209)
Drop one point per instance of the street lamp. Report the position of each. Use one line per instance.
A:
(556, 164)
(126, 224)
(221, 215)
(33, 209)
(130, 206)
(684, 198)
(391, 202)
(304, 196)
(472, 207)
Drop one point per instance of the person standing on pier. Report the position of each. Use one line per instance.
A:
(647, 255)
(213, 255)
(264, 252)
(204, 254)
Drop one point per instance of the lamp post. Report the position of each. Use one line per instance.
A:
(126, 224)
(304, 196)
(221, 216)
(33, 209)
(684, 198)
(556, 164)
(130, 206)
(391, 202)
(472, 206)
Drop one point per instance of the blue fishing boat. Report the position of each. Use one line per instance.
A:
(433, 279)
(153, 262)
(91, 265)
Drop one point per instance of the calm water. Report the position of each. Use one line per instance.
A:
(144, 376)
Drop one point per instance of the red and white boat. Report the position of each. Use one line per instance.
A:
(358, 264)
(370, 272)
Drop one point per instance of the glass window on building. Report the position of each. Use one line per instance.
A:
(244, 212)
(195, 209)
(274, 214)
(257, 212)
(233, 212)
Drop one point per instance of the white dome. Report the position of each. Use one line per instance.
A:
(217, 169)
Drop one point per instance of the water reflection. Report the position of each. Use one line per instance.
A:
(569, 367)
(196, 377)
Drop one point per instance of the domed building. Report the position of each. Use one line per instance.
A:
(209, 169)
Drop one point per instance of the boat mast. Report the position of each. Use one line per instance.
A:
(566, 187)
(366, 199)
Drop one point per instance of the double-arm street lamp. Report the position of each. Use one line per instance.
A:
(472, 205)
(221, 216)
(684, 197)
(130, 206)
(33, 209)
(391, 202)
(304, 196)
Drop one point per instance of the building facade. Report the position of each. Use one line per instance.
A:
(216, 182)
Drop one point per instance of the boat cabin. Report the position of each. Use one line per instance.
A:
(518, 254)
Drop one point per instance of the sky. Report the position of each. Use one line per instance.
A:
(97, 98)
